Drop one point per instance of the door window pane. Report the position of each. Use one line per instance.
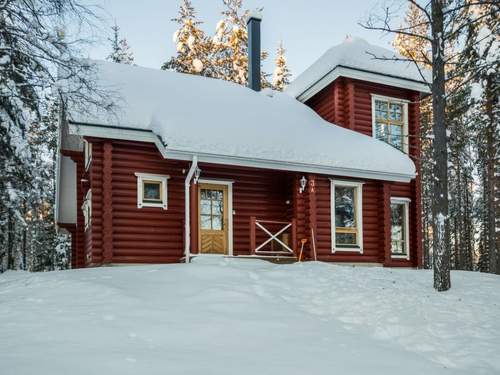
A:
(206, 222)
(216, 222)
(212, 209)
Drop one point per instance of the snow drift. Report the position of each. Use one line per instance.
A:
(233, 316)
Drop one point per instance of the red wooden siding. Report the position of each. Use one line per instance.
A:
(123, 233)
(154, 235)
(256, 192)
(347, 102)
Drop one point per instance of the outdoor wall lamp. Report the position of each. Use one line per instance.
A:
(197, 173)
(303, 183)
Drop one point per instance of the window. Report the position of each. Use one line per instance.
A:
(87, 152)
(399, 228)
(390, 121)
(211, 209)
(87, 210)
(346, 203)
(151, 190)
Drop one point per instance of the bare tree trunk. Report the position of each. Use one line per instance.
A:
(490, 177)
(440, 219)
(10, 243)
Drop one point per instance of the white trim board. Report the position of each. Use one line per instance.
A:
(230, 212)
(341, 71)
(167, 153)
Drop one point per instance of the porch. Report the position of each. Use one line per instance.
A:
(248, 212)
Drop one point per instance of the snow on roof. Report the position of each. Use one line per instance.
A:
(204, 116)
(356, 53)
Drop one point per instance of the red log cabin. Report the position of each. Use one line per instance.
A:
(186, 165)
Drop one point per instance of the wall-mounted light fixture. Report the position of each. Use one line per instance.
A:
(197, 173)
(303, 183)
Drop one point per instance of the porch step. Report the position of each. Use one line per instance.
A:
(278, 259)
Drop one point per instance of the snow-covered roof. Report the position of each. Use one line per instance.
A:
(356, 58)
(223, 122)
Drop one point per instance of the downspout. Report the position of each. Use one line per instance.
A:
(187, 226)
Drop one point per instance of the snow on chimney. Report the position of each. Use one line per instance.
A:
(253, 26)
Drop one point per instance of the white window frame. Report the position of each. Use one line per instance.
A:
(87, 153)
(404, 102)
(162, 179)
(87, 210)
(406, 203)
(359, 215)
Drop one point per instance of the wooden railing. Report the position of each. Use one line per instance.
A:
(289, 227)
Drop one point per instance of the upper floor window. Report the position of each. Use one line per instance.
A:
(390, 121)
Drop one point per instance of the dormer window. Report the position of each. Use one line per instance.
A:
(390, 121)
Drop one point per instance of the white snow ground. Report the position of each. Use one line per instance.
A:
(222, 316)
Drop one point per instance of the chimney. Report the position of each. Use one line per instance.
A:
(253, 26)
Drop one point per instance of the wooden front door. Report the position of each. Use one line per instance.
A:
(212, 218)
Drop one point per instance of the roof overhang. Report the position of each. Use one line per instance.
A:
(363, 75)
(141, 135)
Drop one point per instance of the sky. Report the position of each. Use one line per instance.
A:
(306, 27)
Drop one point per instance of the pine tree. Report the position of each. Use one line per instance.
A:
(230, 45)
(481, 61)
(281, 75)
(120, 50)
(447, 22)
(192, 46)
(34, 49)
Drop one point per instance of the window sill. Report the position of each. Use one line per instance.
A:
(355, 249)
(153, 205)
(400, 257)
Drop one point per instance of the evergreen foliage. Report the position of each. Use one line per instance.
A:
(120, 50)
(281, 75)
(471, 58)
(223, 55)
(34, 54)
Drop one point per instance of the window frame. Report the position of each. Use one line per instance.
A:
(87, 210)
(406, 203)
(358, 211)
(405, 129)
(87, 153)
(152, 178)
